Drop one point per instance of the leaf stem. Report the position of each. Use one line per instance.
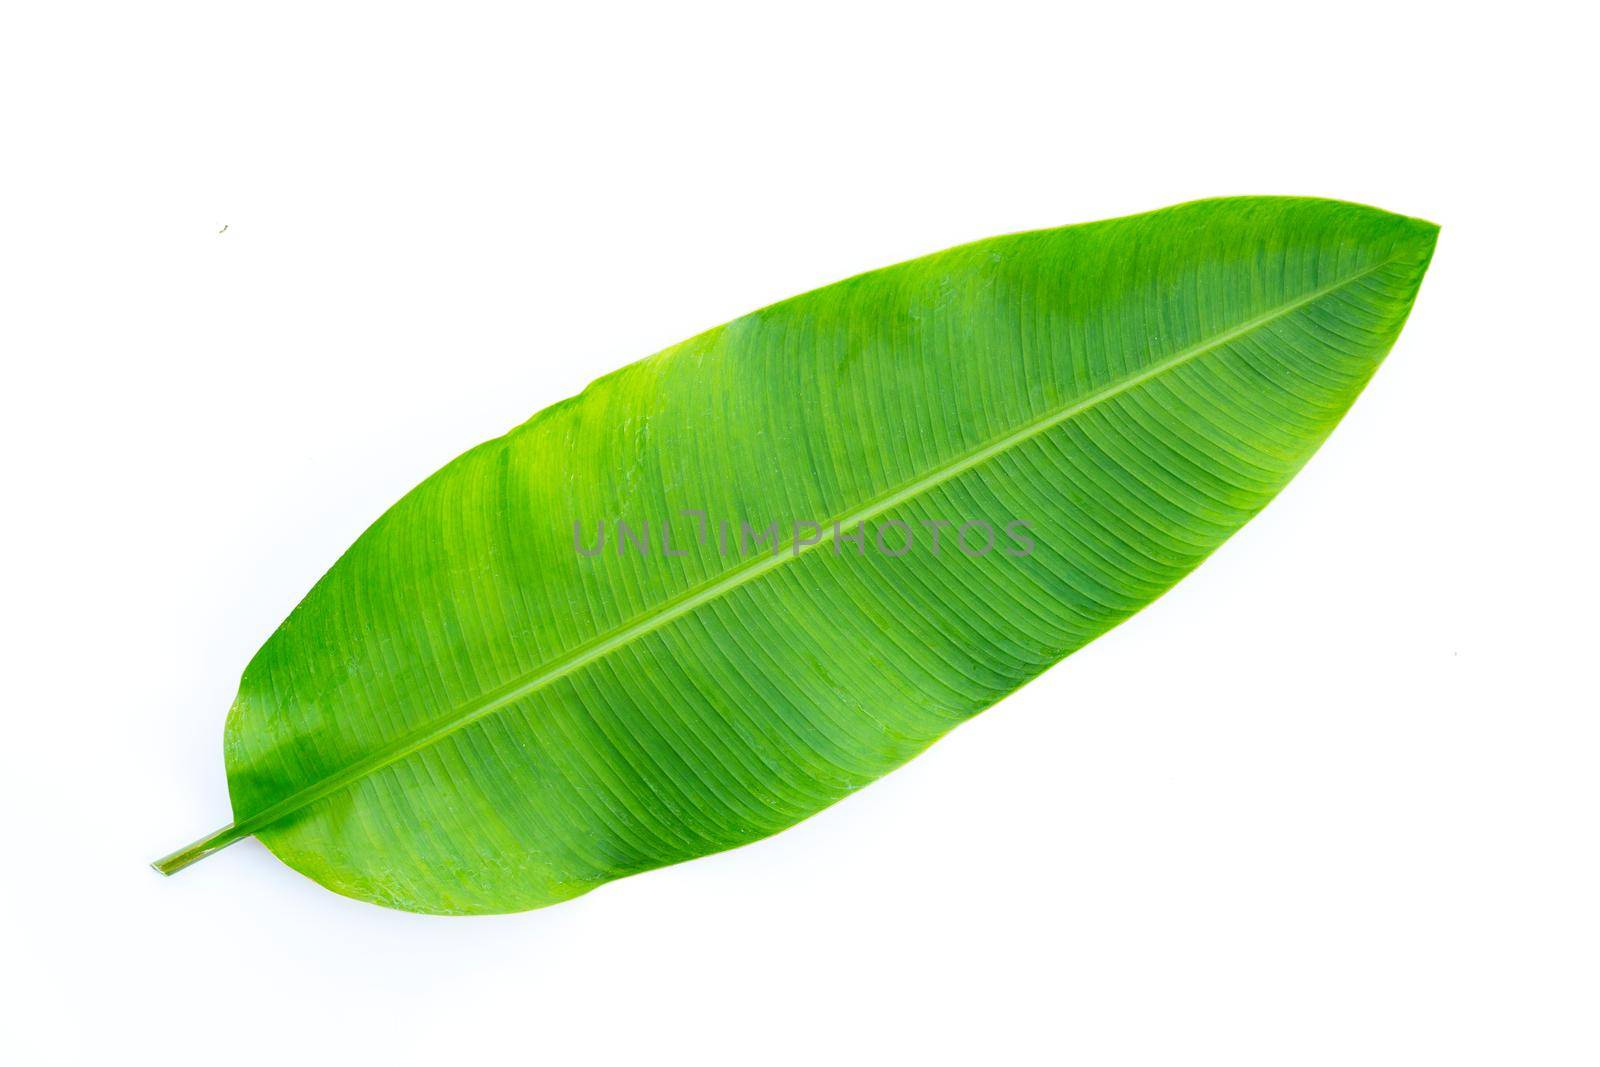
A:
(199, 850)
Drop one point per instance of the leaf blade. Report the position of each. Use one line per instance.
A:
(1136, 393)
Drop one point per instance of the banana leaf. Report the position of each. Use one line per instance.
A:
(730, 584)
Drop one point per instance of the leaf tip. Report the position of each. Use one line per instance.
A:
(1418, 233)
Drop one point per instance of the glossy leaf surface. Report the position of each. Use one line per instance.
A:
(469, 713)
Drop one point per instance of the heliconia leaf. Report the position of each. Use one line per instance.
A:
(581, 650)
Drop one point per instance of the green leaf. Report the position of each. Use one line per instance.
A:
(471, 714)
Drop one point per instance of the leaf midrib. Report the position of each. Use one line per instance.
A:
(689, 601)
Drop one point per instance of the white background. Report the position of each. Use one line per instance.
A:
(1334, 800)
